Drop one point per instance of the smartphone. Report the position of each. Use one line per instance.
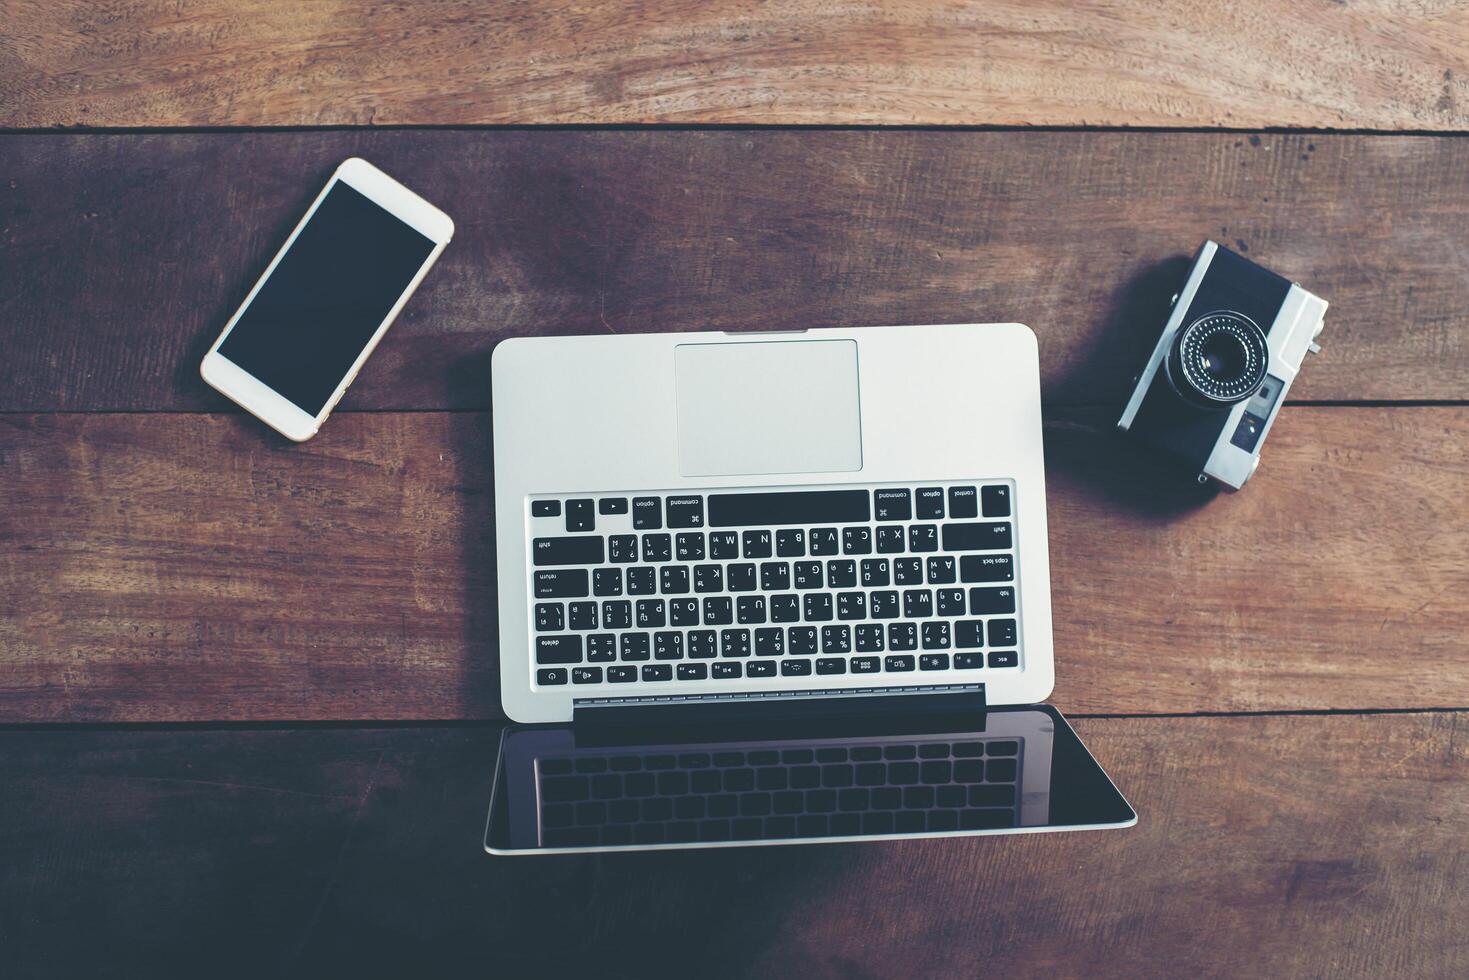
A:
(326, 299)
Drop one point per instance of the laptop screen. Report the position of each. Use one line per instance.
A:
(1005, 770)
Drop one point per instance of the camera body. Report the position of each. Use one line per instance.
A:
(1218, 375)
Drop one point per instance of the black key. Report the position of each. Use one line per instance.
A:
(823, 541)
(818, 607)
(808, 574)
(1001, 770)
(930, 503)
(702, 644)
(734, 643)
(935, 772)
(836, 639)
(718, 611)
(869, 638)
(683, 612)
(963, 502)
(770, 642)
(750, 610)
(1004, 658)
(726, 669)
(984, 602)
(785, 609)
(564, 648)
(775, 576)
(561, 583)
(889, 539)
(856, 541)
(651, 613)
(875, 572)
(606, 581)
(601, 647)
(841, 574)
(968, 661)
(902, 636)
(641, 581)
(757, 544)
(549, 616)
(795, 667)
(551, 675)
(799, 507)
(917, 603)
(586, 675)
(647, 513)
(908, 571)
(933, 661)
(936, 636)
(657, 548)
(724, 545)
(950, 602)
(582, 615)
(708, 578)
(761, 668)
(968, 750)
(622, 548)
(617, 614)
(673, 579)
(852, 605)
(871, 773)
(657, 672)
(801, 641)
(903, 773)
(977, 537)
(968, 634)
(689, 546)
(790, 543)
(941, 570)
(668, 646)
(581, 550)
(923, 537)
(1002, 632)
(545, 508)
(996, 501)
(884, 604)
(892, 505)
(933, 750)
(969, 771)
(612, 505)
(985, 819)
(692, 672)
(986, 568)
(685, 511)
(740, 577)
(635, 646)
(769, 778)
(622, 673)
(579, 515)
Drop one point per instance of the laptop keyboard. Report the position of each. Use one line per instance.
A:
(658, 592)
(903, 787)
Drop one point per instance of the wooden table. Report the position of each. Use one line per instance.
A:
(248, 689)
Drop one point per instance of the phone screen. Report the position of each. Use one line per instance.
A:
(326, 298)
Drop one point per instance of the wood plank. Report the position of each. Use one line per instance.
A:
(1267, 846)
(179, 567)
(122, 256)
(1176, 63)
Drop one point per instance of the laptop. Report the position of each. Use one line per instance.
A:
(777, 587)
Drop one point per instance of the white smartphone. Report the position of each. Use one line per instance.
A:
(326, 299)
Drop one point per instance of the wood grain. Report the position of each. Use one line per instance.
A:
(1267, 846)
(1175, 63)
(121, 257)
(181, 567)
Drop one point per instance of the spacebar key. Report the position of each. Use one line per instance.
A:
(803, 507)
(580, 550)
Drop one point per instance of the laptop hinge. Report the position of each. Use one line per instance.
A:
(784, 714)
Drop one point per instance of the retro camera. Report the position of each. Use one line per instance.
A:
(1219, 373)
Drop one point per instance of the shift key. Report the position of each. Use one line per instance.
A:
(574, 550)
(561, 583)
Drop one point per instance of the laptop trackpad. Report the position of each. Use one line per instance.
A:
(787, 406)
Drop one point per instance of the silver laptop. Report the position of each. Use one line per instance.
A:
(766, 587)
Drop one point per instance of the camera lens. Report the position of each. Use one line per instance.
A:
(1219, 359)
